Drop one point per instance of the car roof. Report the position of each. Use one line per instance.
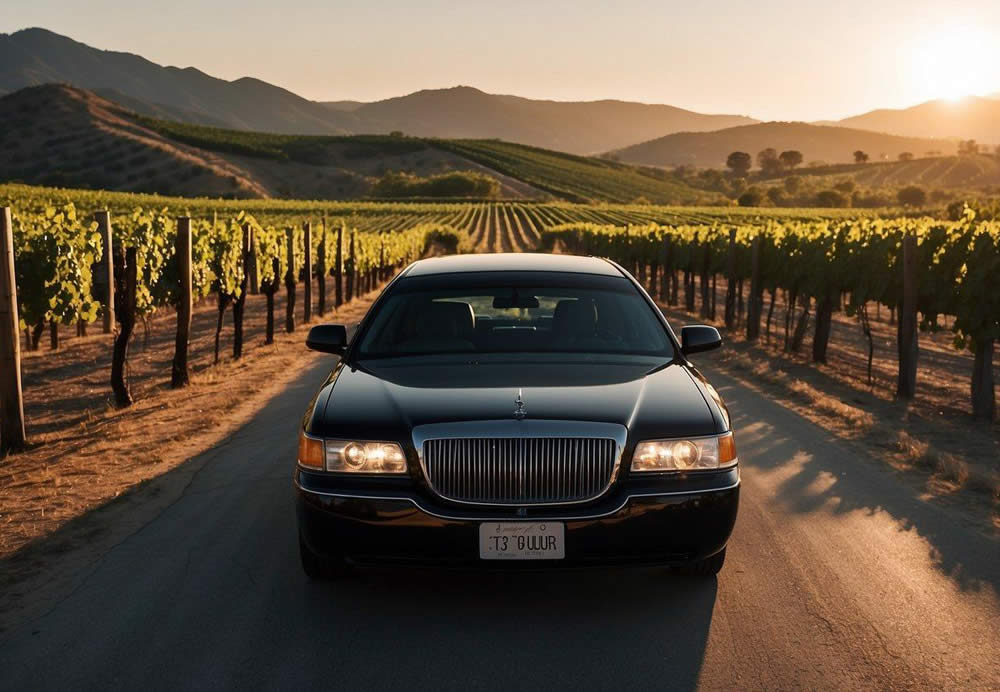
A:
(512, 262)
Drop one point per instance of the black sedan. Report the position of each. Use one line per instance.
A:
(515, 410)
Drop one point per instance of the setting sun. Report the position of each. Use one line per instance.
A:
(953, 62)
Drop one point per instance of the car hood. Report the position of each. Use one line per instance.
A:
(387, 401)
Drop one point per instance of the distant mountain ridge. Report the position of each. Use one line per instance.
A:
(33, 57)
(832, 144)
(971, 117)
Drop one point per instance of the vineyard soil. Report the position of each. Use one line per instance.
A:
(931, 440)
(84, 453)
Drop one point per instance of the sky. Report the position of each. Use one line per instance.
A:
(770, 59)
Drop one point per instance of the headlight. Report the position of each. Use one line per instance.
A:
(685, 454)
(355, 456)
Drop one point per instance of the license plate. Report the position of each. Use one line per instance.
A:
(522, 540)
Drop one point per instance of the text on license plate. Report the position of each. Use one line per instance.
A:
(522, 540)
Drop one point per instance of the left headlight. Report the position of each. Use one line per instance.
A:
(693, 454)
(351, 456)
(356, 456)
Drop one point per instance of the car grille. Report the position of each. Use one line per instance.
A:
(520, 471)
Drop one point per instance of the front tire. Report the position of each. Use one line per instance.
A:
(318, 567)
(708, 567)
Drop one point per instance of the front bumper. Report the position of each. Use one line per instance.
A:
(659, 522)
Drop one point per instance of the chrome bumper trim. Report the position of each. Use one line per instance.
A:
(585, 517)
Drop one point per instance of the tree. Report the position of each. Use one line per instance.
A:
(768, 162)
(751, 198)
(860, 157)
(831, 198)
(793, 184)
(968, 147)
(791, 158)
(739, 162)
(906, 156)
(846, 186)
(776, 195)
(912, 196)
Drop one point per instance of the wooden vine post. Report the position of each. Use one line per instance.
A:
(907, 329)
(290, 284)
(321, 271)
(756, 292)
(125, 278)
(665, 274)
(730, 315)
(179, 376)
(12, 436)
(251, 266)
(338, 270)
(239, 304)
(307, 273)
(103, 219)
(350, 269)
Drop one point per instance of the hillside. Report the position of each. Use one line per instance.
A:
(816, 142)
(36, 56)
(968, 118)
(59, 135)
(939, 172)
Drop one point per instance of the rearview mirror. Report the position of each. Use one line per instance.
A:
(698, 338)
(328, 338)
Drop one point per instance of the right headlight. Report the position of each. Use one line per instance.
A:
(685, 454)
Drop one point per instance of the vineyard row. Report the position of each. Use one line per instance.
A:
(921, 269)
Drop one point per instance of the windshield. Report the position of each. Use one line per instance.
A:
(542, 315)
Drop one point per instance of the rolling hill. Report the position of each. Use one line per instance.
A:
(61, 135)
(968, 118)
(980, 172)
(816, 142)
(36, 56)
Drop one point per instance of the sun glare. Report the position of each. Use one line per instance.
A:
(954, 62)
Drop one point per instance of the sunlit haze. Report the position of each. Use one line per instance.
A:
(772, 59)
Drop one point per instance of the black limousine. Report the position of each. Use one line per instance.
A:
(523, 410)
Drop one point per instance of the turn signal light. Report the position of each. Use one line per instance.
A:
(727, 450)
(310, 452)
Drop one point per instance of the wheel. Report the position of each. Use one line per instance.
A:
(321, 567)
(708, 567)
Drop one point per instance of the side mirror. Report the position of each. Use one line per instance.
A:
(698, 338)
(328, 338)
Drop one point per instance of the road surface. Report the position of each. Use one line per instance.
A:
(837, 578)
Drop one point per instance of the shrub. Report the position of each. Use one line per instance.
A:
(912, 196)
(831, 198)
(750, 198)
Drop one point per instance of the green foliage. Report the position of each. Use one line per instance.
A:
(453, 184)
(751, 198)
(912, 196)
(958, 262)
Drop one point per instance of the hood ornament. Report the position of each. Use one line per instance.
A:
(519, 412)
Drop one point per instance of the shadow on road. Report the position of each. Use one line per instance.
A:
(594, 629)
(831, 476)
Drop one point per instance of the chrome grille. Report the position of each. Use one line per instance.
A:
(520, 470)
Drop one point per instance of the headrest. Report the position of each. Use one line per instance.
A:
(446, 319)
(575, 316)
